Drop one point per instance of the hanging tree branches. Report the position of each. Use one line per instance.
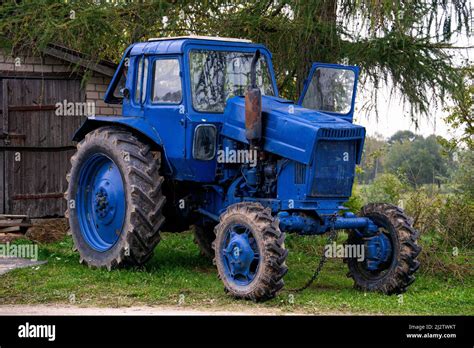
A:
(406, 43)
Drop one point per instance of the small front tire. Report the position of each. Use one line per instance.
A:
(398, 273)
(250, 252)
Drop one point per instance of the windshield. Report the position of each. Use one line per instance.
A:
(330, 90)
(219, 75)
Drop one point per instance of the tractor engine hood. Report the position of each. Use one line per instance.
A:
(290, 130)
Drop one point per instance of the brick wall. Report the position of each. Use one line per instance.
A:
(95, 86)
(95, 91)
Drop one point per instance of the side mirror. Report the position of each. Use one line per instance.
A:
(126, 92)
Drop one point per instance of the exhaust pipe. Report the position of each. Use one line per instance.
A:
(253, 106)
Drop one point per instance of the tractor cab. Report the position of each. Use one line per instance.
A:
(181, 88)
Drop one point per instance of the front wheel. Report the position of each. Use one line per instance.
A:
(394, 251)
(249, 252)
(114, 199)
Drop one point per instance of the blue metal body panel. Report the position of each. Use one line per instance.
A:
(283, 120)
(137, 123)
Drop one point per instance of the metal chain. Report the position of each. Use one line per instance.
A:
(332, 237)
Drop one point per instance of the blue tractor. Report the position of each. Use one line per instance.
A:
(205, 143)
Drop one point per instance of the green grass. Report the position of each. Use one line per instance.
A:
(177, 269)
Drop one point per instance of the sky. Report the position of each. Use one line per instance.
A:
(392, 116)
(388, 120)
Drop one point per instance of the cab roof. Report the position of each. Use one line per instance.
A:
(176, 45)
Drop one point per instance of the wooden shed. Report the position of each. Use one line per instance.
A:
(35, 142)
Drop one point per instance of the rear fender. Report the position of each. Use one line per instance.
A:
(136, 125)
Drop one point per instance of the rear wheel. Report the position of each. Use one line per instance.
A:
(204, 236)
(250, 252)
(114, 199)
(396, 238)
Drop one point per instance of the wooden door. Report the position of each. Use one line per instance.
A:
(35, 144)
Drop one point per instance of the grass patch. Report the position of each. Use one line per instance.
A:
(177, 269)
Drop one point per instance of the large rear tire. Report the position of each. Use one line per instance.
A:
(398, 273)
(114, 199)
(250, 252)
(204, 236)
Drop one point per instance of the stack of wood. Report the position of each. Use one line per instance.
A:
(13, 227)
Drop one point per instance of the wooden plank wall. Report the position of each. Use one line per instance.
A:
(41, 141)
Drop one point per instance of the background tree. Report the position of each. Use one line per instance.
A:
(461, 117)
(420, 161)
(463, 175)
(403, 135)
(373, 157)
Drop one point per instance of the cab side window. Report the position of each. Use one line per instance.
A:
(166, 82)
(141, 79)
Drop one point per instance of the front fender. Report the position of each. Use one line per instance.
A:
(135, 124)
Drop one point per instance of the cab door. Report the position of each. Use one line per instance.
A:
(165, 110)
(331, 88)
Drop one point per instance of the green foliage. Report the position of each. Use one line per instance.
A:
(463, 176)
(420, 160)
(386, 188)
(456, 222)
(355, 202)
(392, 41)
(423, 205)
(373, 157)
(402, 136)
(461, 117)
(445, 223)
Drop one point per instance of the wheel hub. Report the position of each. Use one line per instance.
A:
(239, 254)
(379, 250)
(101, 202)
(105, 202)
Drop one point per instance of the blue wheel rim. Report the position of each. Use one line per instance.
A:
(240, 255)
(100, 202)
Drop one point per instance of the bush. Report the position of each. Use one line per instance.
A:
(423, 206)
(456, 222)
(445, 221)
(355, 203)
(386, 188)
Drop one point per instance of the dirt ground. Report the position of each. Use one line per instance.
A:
(145, 310)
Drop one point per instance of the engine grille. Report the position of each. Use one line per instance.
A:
(334, 168)
(300, 173)
(329, 133)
